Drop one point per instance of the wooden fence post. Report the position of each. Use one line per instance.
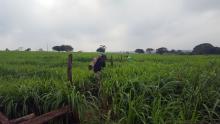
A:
(69, 68)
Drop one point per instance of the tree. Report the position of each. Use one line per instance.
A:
(56, 48)
(7, 49)
(139, 51)
(66, 48)
(161, 50)
(102, 49)
(149, 50)
(28, 49)
(206, 48)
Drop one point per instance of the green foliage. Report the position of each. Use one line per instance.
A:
(148, 89)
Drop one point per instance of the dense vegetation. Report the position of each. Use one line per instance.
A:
(206, 48)
(141, 89)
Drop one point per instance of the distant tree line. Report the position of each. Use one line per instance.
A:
(161, 50)
(201, 49)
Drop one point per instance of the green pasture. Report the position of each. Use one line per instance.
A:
(148, 89)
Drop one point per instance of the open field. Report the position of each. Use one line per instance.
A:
(145, 89)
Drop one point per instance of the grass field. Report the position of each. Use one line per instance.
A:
(145, 89)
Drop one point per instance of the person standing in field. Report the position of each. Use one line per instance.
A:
(98, 63)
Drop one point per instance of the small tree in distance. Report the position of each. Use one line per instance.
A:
(66, 48)
(139, 51)
(149, 50)
(162, 50)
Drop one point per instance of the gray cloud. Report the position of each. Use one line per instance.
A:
(120, 24)
(201, 5)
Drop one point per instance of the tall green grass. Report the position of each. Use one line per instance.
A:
(146, 89)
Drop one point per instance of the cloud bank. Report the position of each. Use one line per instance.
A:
(119, 24)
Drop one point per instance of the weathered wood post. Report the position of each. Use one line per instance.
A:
(69, 68)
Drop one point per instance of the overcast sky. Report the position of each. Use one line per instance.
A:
(119, 24)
